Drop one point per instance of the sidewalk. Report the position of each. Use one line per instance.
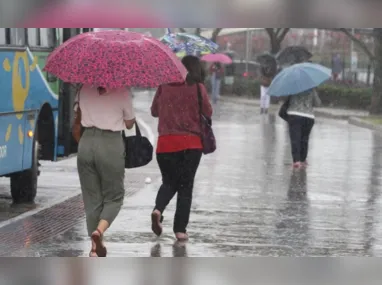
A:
(333, 113)
(247, 200)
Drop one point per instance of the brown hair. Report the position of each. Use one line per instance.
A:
(194, 68)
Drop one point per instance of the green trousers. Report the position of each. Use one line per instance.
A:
(101, 168)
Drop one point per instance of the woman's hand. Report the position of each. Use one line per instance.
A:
(130, 124)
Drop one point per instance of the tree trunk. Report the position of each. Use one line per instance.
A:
(376, 100)
(275, 46)
(215, 34)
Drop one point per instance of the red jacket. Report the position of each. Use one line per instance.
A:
(177, 108)
(219, 71)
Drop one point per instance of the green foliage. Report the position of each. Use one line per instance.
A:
(345, 97)
(331, 95)
(247, 87)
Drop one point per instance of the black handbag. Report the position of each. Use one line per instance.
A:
(283, 112)
(138, 149)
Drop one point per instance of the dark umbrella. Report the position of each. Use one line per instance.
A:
(293, 54)
(268, 64)
(266, 59)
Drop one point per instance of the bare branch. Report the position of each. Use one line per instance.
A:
(215, 34)
(198, 31)
(182, 30)
(358, 42)
(281, 37)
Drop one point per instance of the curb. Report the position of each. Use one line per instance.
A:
(363, 124)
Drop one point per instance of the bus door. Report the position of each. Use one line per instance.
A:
(66, 144)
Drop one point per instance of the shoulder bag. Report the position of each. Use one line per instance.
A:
(207, 134)
(283, 112)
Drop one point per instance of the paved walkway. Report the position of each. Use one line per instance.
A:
(247, 199)
(334, 113)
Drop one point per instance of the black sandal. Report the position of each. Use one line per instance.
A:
(100, 249)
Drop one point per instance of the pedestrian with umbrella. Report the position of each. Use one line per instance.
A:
(298, 83)
(216, 72)
(183, 110)
(106, 64)
(268, 71)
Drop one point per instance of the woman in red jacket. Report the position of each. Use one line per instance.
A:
(217, 72)
(179, 147)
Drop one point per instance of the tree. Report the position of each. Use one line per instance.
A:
(375, 57)
(276, 37)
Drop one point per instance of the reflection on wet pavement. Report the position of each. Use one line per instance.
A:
(248, 201)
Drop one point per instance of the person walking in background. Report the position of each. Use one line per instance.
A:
(100, 161)
(217, 72)
(336, 66)
(179, 147)
(301, 121)
(265, 99)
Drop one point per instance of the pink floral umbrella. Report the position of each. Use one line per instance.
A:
(217, 57)
(114, 59)
(94, 14)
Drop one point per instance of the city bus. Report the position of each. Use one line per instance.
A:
(35, 107)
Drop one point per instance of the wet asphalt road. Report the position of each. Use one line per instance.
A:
(247, 199)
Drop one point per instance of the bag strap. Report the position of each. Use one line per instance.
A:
(78, 95)
(200, 99)
(137, 131)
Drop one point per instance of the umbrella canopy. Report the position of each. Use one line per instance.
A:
(188, 44)
(298, 78)
(268, 64)
(217, 57)
(115, 59)
(293, 54)
(74, 15)
(266, 59)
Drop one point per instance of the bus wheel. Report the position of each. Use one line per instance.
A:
(24, 183)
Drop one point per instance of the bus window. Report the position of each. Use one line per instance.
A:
(3, 37)
(44, 37)
(34, 37)
(50, 77)
(17, 36)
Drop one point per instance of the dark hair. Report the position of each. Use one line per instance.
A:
(194, 68)
(101, 90)
(218, 65)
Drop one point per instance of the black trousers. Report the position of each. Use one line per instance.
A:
(299, 132)
(178, 174)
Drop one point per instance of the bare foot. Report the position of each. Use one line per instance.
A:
(97, 244)
(297, 164)
(181, 236)
(156, 225)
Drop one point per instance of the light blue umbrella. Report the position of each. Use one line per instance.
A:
(298, 78)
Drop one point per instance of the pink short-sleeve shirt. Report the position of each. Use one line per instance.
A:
(107, 111)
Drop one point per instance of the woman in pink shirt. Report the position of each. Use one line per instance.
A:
(179, 147)
(100, 161)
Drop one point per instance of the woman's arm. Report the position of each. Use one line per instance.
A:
(154, 105)
(128, 110)
(206, 105)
